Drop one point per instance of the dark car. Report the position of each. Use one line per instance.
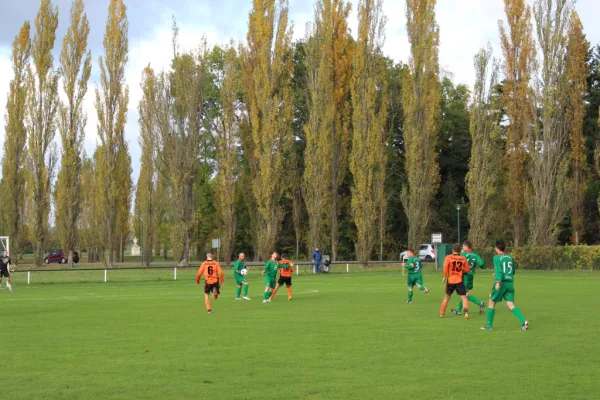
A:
(57, 256)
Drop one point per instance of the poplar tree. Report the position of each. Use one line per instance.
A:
(548, 144)
(227, 142)
(111, 105)
(328, 65)
(42, 106)
(576, 75)
(486, 152)
(369, 103)
(519, 53)
(421, 101)
(75, 70)
(267, 70)
(15, 138)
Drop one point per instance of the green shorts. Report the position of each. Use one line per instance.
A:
(506, 292)
(413, 279)
(239, 279)
(270, 281)
(468, 280)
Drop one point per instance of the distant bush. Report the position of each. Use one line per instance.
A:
(553, 258)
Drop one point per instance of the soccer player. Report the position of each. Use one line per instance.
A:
(240, 279)
(415, 277)
(504, 275)
(286, 269)
(270, 273)
(212, 274)
(454, 267)
(5, 270)
(474, 260)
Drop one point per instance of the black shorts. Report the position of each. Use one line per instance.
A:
(287, 280)
(209, 287)
(4, 272)
(458, 287)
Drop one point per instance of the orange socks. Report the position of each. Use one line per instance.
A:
(207, 303)
(274, 293)
(443, 309)
(289, 289)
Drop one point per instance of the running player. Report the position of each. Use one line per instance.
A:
(270, 273)
(415, 277)
(5, 270)
(286, 269)
(454, 266)
(212, 274)
(504, 275)
(240, 279)
(474, 260)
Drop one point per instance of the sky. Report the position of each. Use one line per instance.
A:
(465, 27)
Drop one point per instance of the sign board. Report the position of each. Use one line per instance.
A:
(216, 243)
(436, 238)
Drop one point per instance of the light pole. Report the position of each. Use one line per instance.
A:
(458, 220)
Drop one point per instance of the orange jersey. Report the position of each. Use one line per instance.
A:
(286, 267)
(212, 272)
(454, 266)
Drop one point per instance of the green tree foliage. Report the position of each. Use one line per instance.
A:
(75, 70)
(13, 174)
(111, 105)
(421, 101)
(486, 151)
(42, 107)
(369, 103)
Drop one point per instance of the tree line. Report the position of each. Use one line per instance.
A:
(319, 142)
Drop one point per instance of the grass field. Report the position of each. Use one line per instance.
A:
(344, 336)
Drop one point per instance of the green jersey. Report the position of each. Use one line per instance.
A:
(504, 268)
(474, 260)
(413, 265)
(237, 267)
(271, 268)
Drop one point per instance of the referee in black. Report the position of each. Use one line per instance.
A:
(5, 270)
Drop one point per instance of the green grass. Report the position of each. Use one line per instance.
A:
(344, 336)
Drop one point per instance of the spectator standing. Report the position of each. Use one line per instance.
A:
(317, 258)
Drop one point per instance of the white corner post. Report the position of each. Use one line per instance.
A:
(105, 275)
(28, 277)
(175, 273)
(347, 267)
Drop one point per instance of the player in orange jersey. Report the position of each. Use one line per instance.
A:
(454, 266)
(212, 275)
(286, 269)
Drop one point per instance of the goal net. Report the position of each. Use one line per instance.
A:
(5, 244)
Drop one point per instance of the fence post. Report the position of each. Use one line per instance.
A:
(298, 270)
(175, 273)
(347, 267)
(28, 276)
(105, 275)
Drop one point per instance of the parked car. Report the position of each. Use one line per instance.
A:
(57, 256)
(426, 253)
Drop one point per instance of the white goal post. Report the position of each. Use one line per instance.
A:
(5, 244)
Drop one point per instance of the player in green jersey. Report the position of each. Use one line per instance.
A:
(474, 260)
(415, 277)
(270, 273)
(504, 273)
(240, 279)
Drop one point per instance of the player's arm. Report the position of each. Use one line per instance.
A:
(446, 269)
(479, 262)
(497, 273)
(221, 274)
(466, 267)
(199, 274)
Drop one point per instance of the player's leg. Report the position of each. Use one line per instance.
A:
(245, 284)
(462, 292)
(410, 280)
(266, 294)
(420, 285)
(509, 296)
(288, 286)
(495, 297)
(9, 284)
(207, 290)
(216, 291)
(447, 297)
(238, 291)
(275, 290)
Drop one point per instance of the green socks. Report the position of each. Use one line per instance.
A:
(266, 295)
(410, 295)
(490, 316)
(518, 314)
(459, 306)
(473, 299)
(237, 292)
(245, 291)
(423, 288)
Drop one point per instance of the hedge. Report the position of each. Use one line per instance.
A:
(584, 258)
